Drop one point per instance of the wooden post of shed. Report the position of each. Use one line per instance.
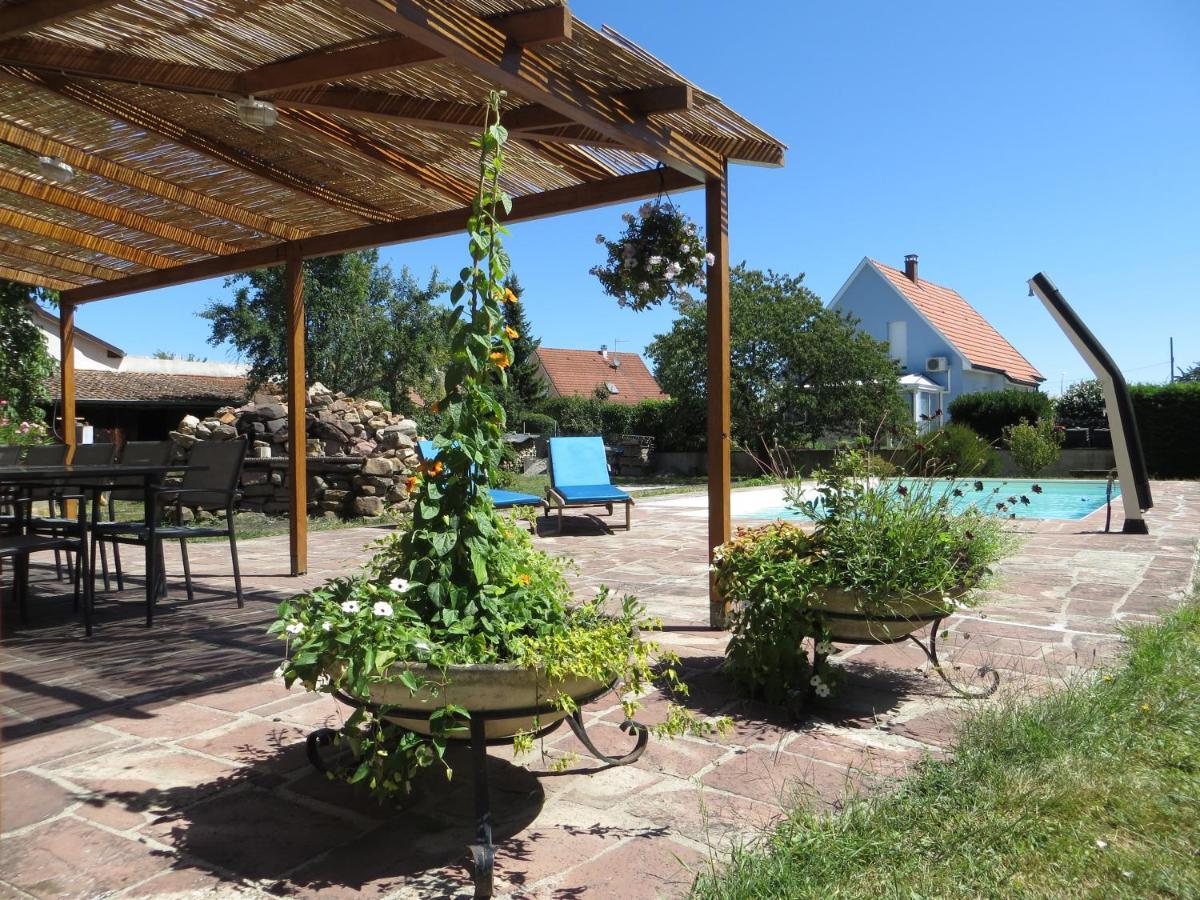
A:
(297, 432)
(66, 371)
(716, 203)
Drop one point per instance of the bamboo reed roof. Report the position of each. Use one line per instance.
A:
(377, 103)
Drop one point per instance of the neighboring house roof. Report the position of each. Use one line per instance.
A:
(93, 386)
(962, 325)
(581, 371)
(52, 323)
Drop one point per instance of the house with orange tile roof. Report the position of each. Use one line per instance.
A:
(623, 377)
(944, 347)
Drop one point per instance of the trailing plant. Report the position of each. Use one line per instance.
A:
(1034, 447)
(463, 585)
(658, 256)
(886, 541)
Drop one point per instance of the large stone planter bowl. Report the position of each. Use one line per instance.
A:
(847, 623)
(490, 689)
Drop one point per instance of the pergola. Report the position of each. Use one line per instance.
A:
(376, 102)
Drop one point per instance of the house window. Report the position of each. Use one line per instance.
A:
(898, 342)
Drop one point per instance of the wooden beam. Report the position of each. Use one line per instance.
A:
(293, 281)
(394, 52)
(118, 108)
(716, 223)
(445, 186)
(50, 260)
(99, 209)
(532, 206)
(528, 28)
(666, 98)
(469, 41)
(576, 163)
(33, 14)
(37, 280)
(37, 144)
(67, 235)
(66, 371)
(128, 68)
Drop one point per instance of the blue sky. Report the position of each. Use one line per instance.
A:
(994, 140)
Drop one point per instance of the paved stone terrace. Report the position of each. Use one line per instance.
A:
(167, 762)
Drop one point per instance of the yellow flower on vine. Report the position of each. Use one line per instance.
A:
(501, 359)
(523, 578)
(512, 333)
(510, 296)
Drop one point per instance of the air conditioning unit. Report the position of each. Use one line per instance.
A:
(936, 364)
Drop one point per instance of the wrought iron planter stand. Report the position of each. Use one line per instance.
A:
(928, 648)
(483, 851)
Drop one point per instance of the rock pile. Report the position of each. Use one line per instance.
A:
(360, 454)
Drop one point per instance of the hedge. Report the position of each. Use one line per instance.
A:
(672, 425)
(989, 412)
(1168, 418)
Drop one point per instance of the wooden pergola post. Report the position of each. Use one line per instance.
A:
(66, 372)
(716, 208)
(297, 433)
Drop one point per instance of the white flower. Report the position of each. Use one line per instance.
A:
(399, 585)
(709, 258)
(684, 248)
(655, 260)
(382, 609)
(824, 648)
(691, 228)
(280, 669)
(694, 261)
(327, 626)
(815, 681)
(672, 270)
(1101, 844)
(599, 239)
(294, 627)
(627, 218)
(351, 606)
(645, 209)
(643, 286)
(822, 691)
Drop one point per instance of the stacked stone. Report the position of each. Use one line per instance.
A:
(360, 455)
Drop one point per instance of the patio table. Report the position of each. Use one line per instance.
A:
(99, 478)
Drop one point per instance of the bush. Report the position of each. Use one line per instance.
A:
(1168, 418)
(575, 415)
(1034, 447)
(533, 423)
(1082, 406)
(953, 450)
(990, 412)
(675, 425)
(618, 418)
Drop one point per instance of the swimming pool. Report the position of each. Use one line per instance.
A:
(1057, 499)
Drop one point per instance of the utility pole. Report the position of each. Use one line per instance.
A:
(1172, 379)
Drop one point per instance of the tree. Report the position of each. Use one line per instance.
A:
(25, 364)
(526, 388)
(170, 354)
(368, 332)
(1189, 375)
(1082, 405)
(799, 370)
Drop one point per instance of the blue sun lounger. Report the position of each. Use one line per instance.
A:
(579, 477)
(501, 499)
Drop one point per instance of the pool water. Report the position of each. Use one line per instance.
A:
(1058, 499)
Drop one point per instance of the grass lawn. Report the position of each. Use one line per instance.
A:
(1092, 791)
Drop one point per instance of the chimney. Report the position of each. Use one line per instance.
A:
(604, 351)
(910, 267)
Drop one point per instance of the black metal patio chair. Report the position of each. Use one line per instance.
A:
(213, 488)
(19, 546)
(47, 455)
(129, 488)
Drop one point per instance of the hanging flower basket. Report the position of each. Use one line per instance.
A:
(659, 256)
